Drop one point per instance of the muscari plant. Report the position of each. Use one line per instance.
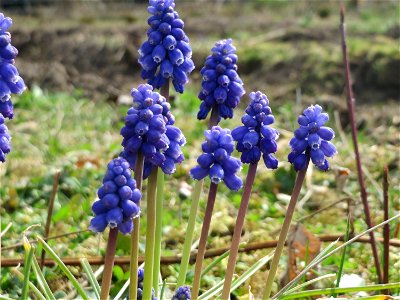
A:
(152, 142)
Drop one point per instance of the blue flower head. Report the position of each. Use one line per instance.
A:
(166, 53)
(255, 137)
(149, 129)
(216, 161)
(182, 293)
(312, 140)
(222, 87)
(5, 146)
(118, 200)
(10, 81)
(140, 286)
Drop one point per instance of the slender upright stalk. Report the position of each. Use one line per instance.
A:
(189, 233)
(108, 263)
(284, 232)
(164, 91)
(352, 115)
(238, 231)
(138, 174)
(56, 180)
(203, 240)
(158, 234)
(386, 227)
(150, 234)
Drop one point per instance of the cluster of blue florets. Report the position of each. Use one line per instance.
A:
(312, 140)
(140, 286)
(222, 87)
(166, 53)
(149, 128)
(216, 161)
(5, 138)
(118, 200)
(182, 293)
(256, 137)
(10, 81)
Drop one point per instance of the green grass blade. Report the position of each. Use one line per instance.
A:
(27, 271)
(5, 298)
(64, 268)
(123, 289)
(216, 290)
(32, 287)
(163, 289)
(92, 278)
(214, 263)
(375, 287)
(307, 283)
(340, 271)
(42, 281)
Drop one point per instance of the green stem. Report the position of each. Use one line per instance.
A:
(109, 263)
(189, 233)
(284, 232)
(238, 230)
(159, 214)
(150, 234)
(340, 271)
(327, 291)
(135, 233)
(203, 240)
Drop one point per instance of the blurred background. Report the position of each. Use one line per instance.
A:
(79, 60)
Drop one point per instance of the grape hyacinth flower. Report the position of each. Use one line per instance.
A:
(167, 52)
(312, 140)
(182, 293)
(222, 87)
(216, 161)
(255, 137)
(149, 129)
(140, 286)
(10, 81)
(5, 138)
(118, 200)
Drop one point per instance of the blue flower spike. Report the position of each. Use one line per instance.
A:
(149, 128)
(5, 146)
(256, 137)
(216, 161)
(182, 293)
(166, 53)
(312, 140)
(222, 87)
(118, 200)
(10, 81)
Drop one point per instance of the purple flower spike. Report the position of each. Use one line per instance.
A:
(216, 161)
(222, 87)
(312, 140)
(5, 146)
(119, 199)
(167, 53)
(149, 128)
(10, 81)
(255, 137)
(182, 293)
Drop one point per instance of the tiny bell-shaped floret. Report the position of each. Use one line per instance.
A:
(167, 53)
(182, 293)
(222, 87)
(118, 200)
(312, 140)
(216, 161)
(255, 137)
(5, 146)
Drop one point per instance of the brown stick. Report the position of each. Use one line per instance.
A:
(386, 228)
(352, 115)
(169, 260)
(56, 180)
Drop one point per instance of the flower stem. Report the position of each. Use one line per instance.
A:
(203, 240)
(108, 263)
(284, 231)
(135, 233)
(189, 233)
(238, 230)
(386, 228)
(150, 234)
(352, 115)
(158, 234)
